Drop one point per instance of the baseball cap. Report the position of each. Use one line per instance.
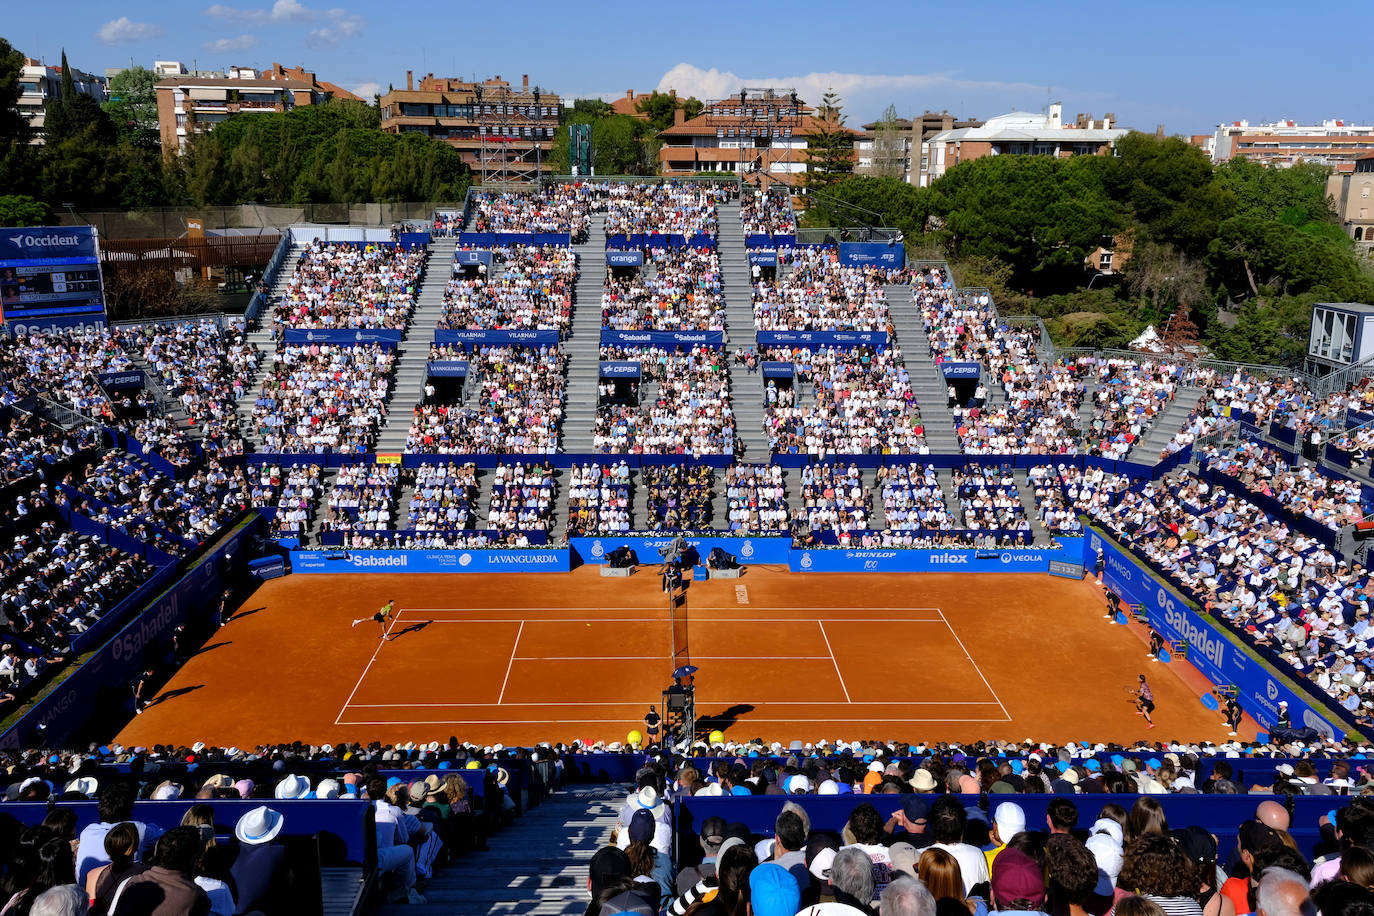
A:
(773, 891)
(713, 830)
(1010, 819)
(1016, 877)
(914, 807)
(904, 858)
(641, 827)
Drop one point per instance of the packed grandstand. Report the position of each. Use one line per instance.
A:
(1239, 486)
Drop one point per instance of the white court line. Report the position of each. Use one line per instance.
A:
(375, 652)
(645, 607)
(511, 664)
(659, 658)
(976, 668)
(808, 703)
(514, 618)
(821, 624)
(749, 720)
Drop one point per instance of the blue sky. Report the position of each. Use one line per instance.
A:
(1185, 65)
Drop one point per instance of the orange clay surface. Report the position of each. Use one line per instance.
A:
(526, 658)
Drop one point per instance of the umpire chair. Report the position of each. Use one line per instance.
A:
(680, 715)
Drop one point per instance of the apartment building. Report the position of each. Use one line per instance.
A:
(40, 83)
(189, 103)
(1334, 143)
(1020, 133)
(760, 134)
(504, 133)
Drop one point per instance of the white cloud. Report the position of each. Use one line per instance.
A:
(366, 91)
(343, 25)
(280, 11)
(125, 29)
(715, 84)
(239, 43)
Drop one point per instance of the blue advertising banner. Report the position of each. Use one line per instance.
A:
(448, 368)
(877, 254)
(633, 258)
(528, 338)
(429, 561)
(32, 325)
(620, 369)
(345, 337)
(961, 370)
(413, 239)
(893, 560)
(611, 338)
(779, 370)
(115, 381)
(1209, 651)
(764, 257)
(489, 239)
(810, 339)
(745, 550)
(763, 240)
(45, 243)
(471, 257)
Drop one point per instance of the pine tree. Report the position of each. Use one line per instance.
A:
(830, 148)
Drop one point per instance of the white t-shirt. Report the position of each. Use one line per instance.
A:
(973, 865)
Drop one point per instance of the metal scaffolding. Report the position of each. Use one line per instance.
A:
(517, 128)
(760, 123)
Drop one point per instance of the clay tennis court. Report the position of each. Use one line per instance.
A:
(526, 658)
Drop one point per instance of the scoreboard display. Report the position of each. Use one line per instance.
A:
(50, 277)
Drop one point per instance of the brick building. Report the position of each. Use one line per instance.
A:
(1338, 144)
(874, 159)
(504, 134)
(189, 103)
(760, 133)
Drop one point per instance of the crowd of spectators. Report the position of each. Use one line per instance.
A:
(913, 499)
(527, 287)
(362, 498)
(55, 583)
(862, 404)
(205, 369)
(684, 404)
(1279, 587)
(835, 499)
(1332, 501)
(989, 498)
(31, 445)
(598, 499)
(324, 398)
(554, 207)
(1129, 397)
(63, 366)
(756, 499)
(684, 208)
(293, 493)
(1062, 493)
(935, 855)
(522, 498)
(819, 294)
(683, 294)
(444, 498)
(679, 497)
(344, 285)
(767, 213)
(129, 493)
(516, 405)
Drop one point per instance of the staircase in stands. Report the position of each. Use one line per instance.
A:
(537, 866)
